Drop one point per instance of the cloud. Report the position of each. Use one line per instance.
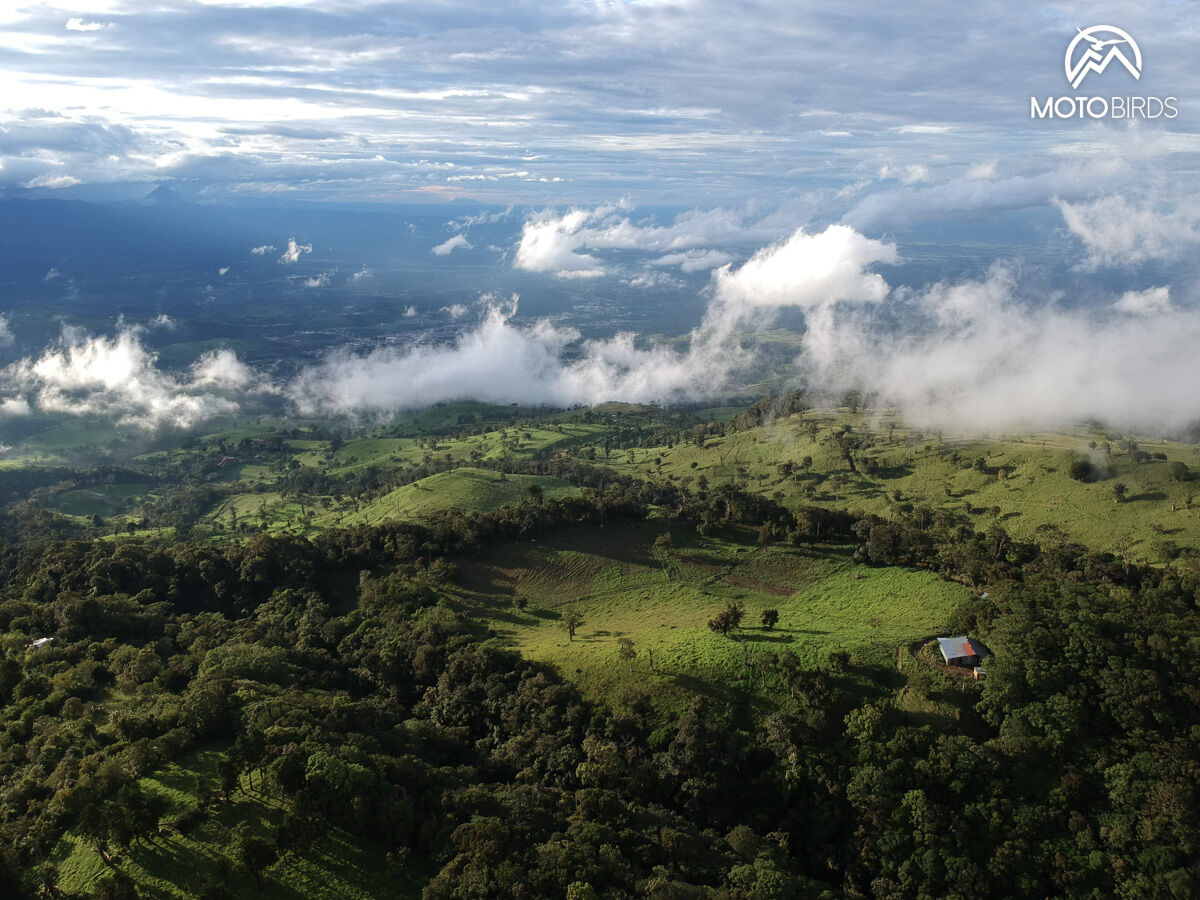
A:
(1148, 302)
(909, 174)
(983, 171)
(808, 270)
(294, 251)
(456, 311)
(976, 357)
(162, 320)
(223, 370)
(362, 274)
(974, 197)
(263, 250)
(223, 271)
(410, 312)
(77, 24)
(559, 243)
(51, 182)
(117, 377)
(530, 110)
(14, 406)
(652, 279)
(448, 246)
(693, 260)
(499, 360)
(551, 244)
(1117, 232)
(317, 281)
(7, 338)
(972, 355)
(52, 274)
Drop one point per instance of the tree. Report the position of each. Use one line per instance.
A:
(627, 651)
(789, 671)
(252, 854)
(839, 483)
(1119, 491)
(764, 534)
(727, 620)
(1081, 470)
(572, 620)
(534, 491)
(770, 618)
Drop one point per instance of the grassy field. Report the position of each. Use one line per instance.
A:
(107, 500)
(176, 865)
(463, 490)
(1022, 481)
(625, 587)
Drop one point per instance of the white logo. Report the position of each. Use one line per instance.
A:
(1096, 47)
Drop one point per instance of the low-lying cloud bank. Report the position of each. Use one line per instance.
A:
(987, 360)
(499, 361)
(117, 378)
(974, 355)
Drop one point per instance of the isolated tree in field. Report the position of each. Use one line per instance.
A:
(535, 492)
(1119, 491)
(1081, 470)
(770, 618)
(572, 620)
(627, 651)
(1180, 471)
(727, 620)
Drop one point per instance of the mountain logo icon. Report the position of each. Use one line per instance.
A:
(1094, 48)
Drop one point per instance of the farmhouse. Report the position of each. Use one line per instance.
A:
(962, 651)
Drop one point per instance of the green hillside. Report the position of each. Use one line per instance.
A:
(625, 587)
(463, 490)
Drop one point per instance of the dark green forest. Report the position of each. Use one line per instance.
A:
(331, 672)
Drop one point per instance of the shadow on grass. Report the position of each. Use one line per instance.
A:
(1146, 495)
(696, 685)
(767, 638)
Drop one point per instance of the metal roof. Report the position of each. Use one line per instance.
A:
(958, 647)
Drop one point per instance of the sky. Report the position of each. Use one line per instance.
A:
(785, 155)
(848, 111)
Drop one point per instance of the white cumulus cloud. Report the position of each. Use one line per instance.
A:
(446, 247)
(117, 377)
(294, 251)
(1117, 232)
